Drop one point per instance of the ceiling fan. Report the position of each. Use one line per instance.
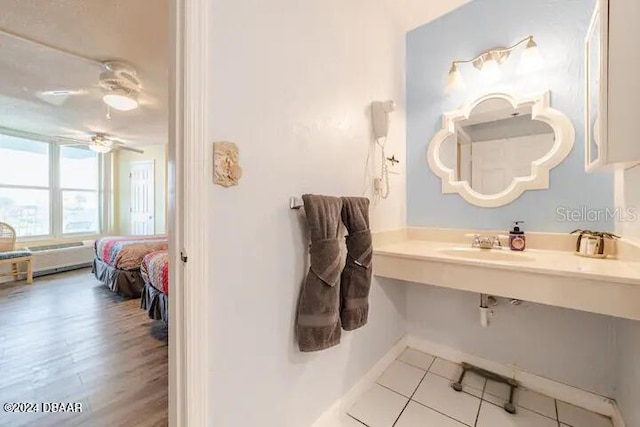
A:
(119, 83)
(100, 143)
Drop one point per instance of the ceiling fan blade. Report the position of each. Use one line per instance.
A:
(64, 92)
(124, 147)
(59, 97)
(63, 140)
(74, 144)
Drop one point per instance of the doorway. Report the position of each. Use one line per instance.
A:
(86, 94)
(142, 210)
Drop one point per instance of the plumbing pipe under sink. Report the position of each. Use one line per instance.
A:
(485, 311)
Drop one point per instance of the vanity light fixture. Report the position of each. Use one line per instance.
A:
(531, 60)
(490, 71)
(489, 61)
(455, 80)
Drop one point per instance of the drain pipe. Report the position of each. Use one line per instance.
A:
(485, 311)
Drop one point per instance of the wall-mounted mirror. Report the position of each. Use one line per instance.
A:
(496, 148)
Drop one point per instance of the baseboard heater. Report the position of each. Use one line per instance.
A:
(58, 258)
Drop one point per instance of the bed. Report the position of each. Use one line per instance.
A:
(118, 260)
(155, 296)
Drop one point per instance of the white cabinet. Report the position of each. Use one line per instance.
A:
(612, 134)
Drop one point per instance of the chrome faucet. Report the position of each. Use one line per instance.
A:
(486, 242)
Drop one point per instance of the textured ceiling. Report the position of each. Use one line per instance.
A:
(413, 13)
(132, 30)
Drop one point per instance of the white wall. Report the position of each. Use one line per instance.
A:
(627, 197)
(593, 352)
(573, 347)
(122, 198)
(291, 85)
(628, 332)
(628, 371)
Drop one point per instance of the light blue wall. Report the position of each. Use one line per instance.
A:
(559, 27)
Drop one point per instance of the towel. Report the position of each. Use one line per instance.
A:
(356, 276)
(318, 320)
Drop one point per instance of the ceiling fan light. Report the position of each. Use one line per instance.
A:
(101, 149)
(120, 100)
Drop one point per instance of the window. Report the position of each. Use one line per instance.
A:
(79, 190)
(48, 190)
(25, 191)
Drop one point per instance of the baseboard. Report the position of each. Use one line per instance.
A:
(331, 417)
(64, 269)
(47, 272)
(617, 419)
(566, 393)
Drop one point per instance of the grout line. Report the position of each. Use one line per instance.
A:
(433, 362)
(409, 364)
(416, 366)
(390, 389)
(441, 413)
(463, 391)
(555, 401)
(522, 407)
(354, 418)
(412, 394)
(481, 401)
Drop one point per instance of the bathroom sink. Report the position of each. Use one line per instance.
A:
(486, 254)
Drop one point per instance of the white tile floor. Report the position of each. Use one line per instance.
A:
(415, 391)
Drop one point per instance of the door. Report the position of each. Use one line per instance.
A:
(489, 167)
(142, 203)
(496, 163)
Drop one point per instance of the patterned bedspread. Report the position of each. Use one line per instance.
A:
(126, 253)
(155, 270)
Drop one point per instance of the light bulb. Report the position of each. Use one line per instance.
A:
(120, 100)
(102, 149)
(531, 60)
(490, 71)
(454, 80)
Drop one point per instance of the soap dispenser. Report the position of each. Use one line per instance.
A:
(517, 239)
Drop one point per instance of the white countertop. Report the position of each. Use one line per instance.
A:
(558, 263)
(554, 277)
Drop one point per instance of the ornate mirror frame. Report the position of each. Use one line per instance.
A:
(539, 178)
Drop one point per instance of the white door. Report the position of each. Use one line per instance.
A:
(142, 211)
(489, 173)
(496, 163)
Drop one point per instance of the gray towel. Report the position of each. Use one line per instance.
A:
(356, 276)
(318, 321)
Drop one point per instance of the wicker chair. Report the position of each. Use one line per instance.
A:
(9, 254)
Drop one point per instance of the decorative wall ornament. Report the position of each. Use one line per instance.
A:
(226, 164)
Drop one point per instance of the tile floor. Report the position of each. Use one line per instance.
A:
(415, 391)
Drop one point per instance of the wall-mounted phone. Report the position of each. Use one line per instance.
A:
(380, 117)
(380, 120)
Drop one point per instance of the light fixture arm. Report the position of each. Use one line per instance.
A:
(500, 54)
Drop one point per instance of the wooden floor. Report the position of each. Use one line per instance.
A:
(67, 338)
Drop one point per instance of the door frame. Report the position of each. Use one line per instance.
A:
(153, 192)
(189, 165)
